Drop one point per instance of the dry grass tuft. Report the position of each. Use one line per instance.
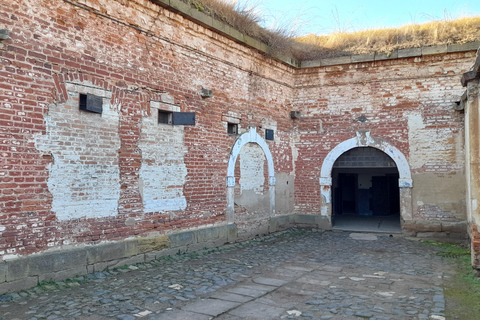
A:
(387, 40)
(246, 18)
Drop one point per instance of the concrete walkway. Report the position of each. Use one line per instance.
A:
(377, 224)
(293, 275)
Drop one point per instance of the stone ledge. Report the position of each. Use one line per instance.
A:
(397, 54)
(26, 272)
(469, 46)
(436, 229)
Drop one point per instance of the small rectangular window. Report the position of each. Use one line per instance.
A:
(176, 118)
(91, 103)
(183, 118)
(164, 117)
(232, 129)
(269, 134)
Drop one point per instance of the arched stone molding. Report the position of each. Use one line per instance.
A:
(364, 139)
(248, 137)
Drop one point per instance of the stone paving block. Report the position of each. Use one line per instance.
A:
(292, 289)
(248, 291)
(286, 273)
(331, 269)
(181, 315)
(228, 317)
(299, 269)
(254, 310)
(317, 282)
(260, 287)
(363, 236)
(212, 307)
(270, 281)
(230, 297)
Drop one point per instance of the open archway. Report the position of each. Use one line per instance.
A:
(402, 174)
(248, 137)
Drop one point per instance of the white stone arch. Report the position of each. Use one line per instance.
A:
(248, 137)
(364, 139)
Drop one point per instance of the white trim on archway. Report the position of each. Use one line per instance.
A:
(364, 139)
(250, 136)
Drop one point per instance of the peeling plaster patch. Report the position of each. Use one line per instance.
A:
(162, 187)
(326, 192)
(252, 161)
(294, 149)
(429, 144)
(163, 172)
(90, 191)
(84, 177)
(269, 124)
(324, 211)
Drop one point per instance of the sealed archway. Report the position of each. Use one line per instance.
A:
(394, 165)
(248, 137)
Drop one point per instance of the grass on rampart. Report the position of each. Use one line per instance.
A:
(246, 18)
(441, 32)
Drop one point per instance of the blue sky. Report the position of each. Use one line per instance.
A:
(327, 16)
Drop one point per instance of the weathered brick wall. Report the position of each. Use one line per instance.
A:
(406, 102)
(68, 176)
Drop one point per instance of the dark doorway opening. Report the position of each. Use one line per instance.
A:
(366, 195)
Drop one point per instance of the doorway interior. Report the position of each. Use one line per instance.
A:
(366, 195)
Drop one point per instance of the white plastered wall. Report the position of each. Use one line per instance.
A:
(163, 172)
(84, 176)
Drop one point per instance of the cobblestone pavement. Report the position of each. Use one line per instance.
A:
(291, 275)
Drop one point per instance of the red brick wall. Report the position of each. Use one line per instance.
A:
(141, 53)
(408, 103)
(53, 43)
